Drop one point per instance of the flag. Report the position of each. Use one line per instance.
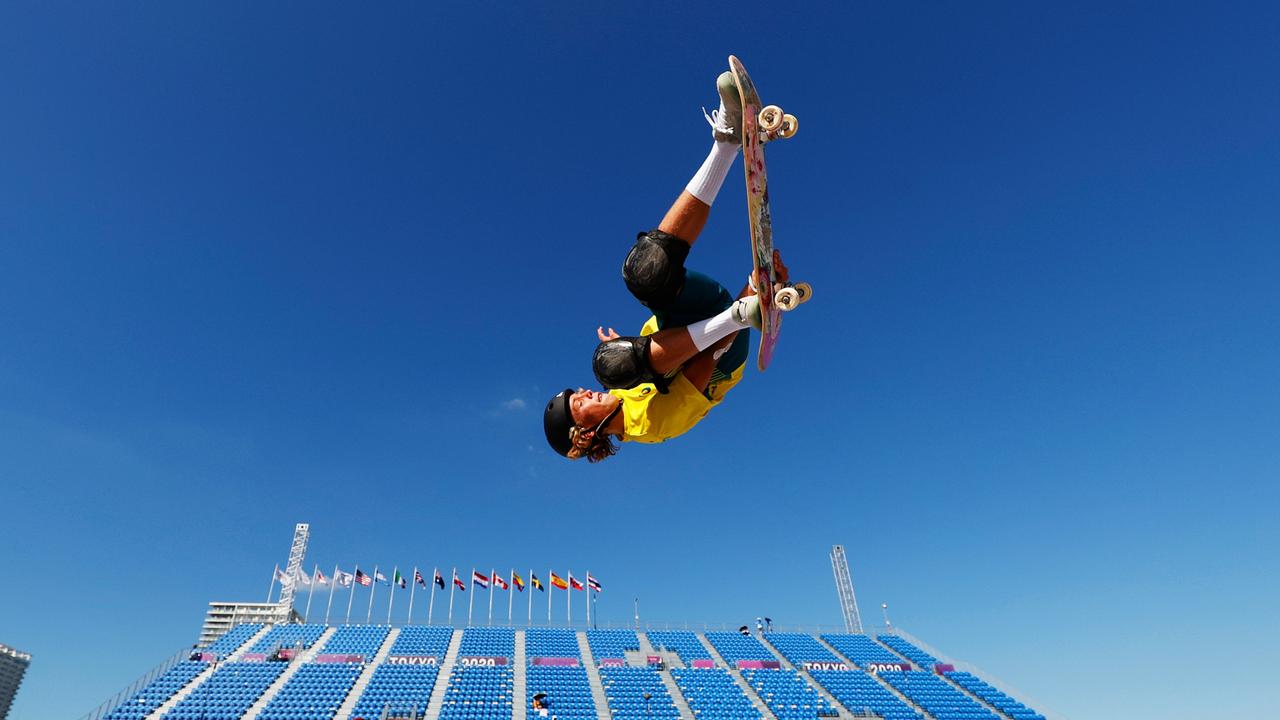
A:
(344, 579)
(304, 579)
(399, 580)
(380, 577)
(321, 579)
(499, 581)
(593, 583)
(518, 581)
(461, 585)
(557, 581)
(478, 579)
(534, 581)
(283, 578)
(417, 578)
(573, 582)
(440, 579)
(362, 578)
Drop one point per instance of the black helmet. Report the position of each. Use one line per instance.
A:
(557, 421)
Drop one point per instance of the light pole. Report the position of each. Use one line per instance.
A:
(646, 705)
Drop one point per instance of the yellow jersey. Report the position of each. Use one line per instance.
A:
(649, 416)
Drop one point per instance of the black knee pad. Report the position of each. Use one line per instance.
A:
(623, 363)
(654, 269)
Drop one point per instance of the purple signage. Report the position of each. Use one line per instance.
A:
(483, 661)
(613, 662)
(286, 653)
(653, 659)
(887, 667)
(826, 666)
(944, 668)
(555, 661)
(412, 660)
(705, 664)
(208, 657)
(253, 657)
(759, 665)
(338, 658)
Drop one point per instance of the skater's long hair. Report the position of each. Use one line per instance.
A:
(594, 445)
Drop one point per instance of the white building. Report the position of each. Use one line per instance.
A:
(222, 616)
(13, 665)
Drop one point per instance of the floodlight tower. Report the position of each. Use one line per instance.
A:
(844, 588)
(301, 534)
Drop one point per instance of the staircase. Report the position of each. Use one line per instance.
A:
(301, 659)
(677, 697)
(362, 682)
(519, 680)
(742, 683)
(884, 684)
(639, 659)
(198, 680)
(593, 677)
(436, 704)
(845, 714)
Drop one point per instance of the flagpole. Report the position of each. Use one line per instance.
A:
(453, 586)
(272, 586)
(412, 589)
(373, 590)
(511, 597)
(311, 590)
(432, 607)
(352, 598)
(471, 600)
(588, 602)
(333, 584)
(530, 596)
(568, 591)
(492, 573)
(394, 574)
(549, 595)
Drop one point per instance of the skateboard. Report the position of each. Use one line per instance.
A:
(760, 125)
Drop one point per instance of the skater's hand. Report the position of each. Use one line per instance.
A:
(606, 337)
(779, 270)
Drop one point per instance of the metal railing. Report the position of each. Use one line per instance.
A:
(146, 679)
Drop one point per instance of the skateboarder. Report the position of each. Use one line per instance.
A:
(691, 352)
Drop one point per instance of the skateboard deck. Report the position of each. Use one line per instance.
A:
(763, 276)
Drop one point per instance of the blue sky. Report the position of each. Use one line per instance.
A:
(270, 264)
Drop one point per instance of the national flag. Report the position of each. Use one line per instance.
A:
(321, 579)
(399, 580)
(557, 581)
(380, 577)
(478, 579)
(461, 585)
(535, 582)
(362, 578)
(304, 579)
(344, 579)
(519, 581)
(499, 581)
(282, 577)
(440, 579)
(417, 578)
(573, 582)
(593, 583)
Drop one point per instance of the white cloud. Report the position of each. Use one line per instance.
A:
(514, 404)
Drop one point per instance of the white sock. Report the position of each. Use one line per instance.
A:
(706, 333)
(706, 183)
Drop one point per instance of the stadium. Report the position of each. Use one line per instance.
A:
(288, 666)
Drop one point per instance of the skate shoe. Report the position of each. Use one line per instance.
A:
(726, 121)
(746, 310)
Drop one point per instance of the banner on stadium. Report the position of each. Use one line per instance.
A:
(653, 659)
(825, 666)
(555, 661)
(704, 664)
(887, 667)
(944, 668)
(338, 658)
(253, 657)
(412, 660)
(483, 661)
(286, 653)
(759, 665)
(613, 662)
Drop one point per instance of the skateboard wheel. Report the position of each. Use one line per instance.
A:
(805, 290)
(787, 299)
(770, 118)
(789, 126)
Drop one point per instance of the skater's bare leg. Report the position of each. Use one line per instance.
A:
(686, 218)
